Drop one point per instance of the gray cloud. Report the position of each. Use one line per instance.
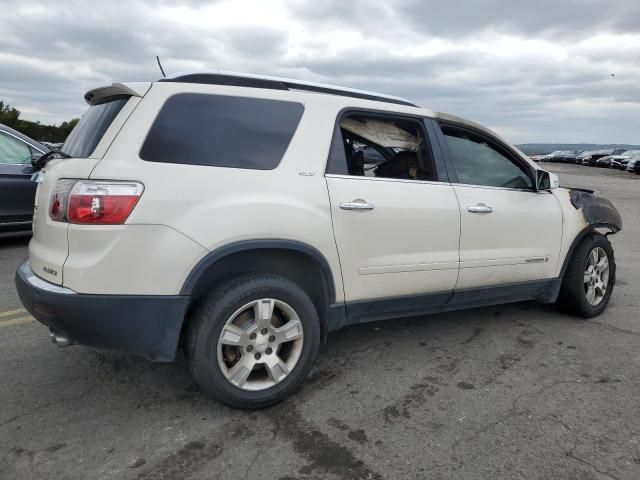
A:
(568, 18)
(535, 71)
(456, 18)
(252, 41)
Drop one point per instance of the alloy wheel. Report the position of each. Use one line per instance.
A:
(260, 344)
(596, 276)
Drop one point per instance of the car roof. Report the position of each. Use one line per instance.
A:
(24, 138)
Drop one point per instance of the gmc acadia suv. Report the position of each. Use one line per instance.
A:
(237, 216)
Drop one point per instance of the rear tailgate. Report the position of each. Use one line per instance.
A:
(49, 246)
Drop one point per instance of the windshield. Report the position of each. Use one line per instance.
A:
(84, 138)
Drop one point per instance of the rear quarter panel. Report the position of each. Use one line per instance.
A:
(217, 206)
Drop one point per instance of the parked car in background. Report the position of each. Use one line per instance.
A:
(17, 191)
(633, 164)
(591, 159)
(568, 156)
(561, 156)
(580, 158)
(52, 146)
(620, 161)
(604, 162)
(551, 157)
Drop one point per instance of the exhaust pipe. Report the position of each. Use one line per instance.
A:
(59, 339)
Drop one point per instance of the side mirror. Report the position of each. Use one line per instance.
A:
(546, 180)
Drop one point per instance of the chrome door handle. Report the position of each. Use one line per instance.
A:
(480, 208)
(356, 205)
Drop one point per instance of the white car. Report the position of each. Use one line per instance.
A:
(232, 215)
(621, 161)
(633, 165)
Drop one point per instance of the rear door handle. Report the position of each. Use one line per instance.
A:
(480, 208)
(356, 205)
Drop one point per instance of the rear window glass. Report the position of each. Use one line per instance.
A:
(222, 131)
(84, 138)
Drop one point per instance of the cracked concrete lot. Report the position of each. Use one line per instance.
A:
(515, 391)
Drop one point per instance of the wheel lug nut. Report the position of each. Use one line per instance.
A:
(249, 348)
(252, 336)
(264, 331)
(257, 356)
(272, 338)
(268, 351)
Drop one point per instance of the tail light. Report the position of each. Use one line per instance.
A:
(94, 202)
(59, 198)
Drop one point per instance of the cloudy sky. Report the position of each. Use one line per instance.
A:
(535, 71)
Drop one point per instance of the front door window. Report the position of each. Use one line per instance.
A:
(478, 161)
(13, 151)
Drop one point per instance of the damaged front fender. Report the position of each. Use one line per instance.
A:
(597, 212)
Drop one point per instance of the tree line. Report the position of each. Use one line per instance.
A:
(10, 116)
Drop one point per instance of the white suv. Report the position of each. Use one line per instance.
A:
(237, 216)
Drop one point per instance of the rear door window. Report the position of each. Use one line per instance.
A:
(381, 146)
(84, 138)
(222, 131)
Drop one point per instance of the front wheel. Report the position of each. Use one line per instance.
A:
(253, 341)
(588, 282)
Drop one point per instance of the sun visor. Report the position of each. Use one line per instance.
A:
(381, 133)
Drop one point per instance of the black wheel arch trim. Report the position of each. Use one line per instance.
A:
(275, 244)
(584, 233)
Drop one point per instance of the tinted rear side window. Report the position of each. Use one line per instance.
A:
(222, 131)
(84, 138)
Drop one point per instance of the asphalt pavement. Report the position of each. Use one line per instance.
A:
(512, 391)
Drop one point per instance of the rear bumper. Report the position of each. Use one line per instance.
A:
(145, 325)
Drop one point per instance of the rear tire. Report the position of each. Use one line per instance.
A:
(589, 279)
(252, 341)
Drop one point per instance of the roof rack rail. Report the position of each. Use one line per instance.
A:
(219, 77)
